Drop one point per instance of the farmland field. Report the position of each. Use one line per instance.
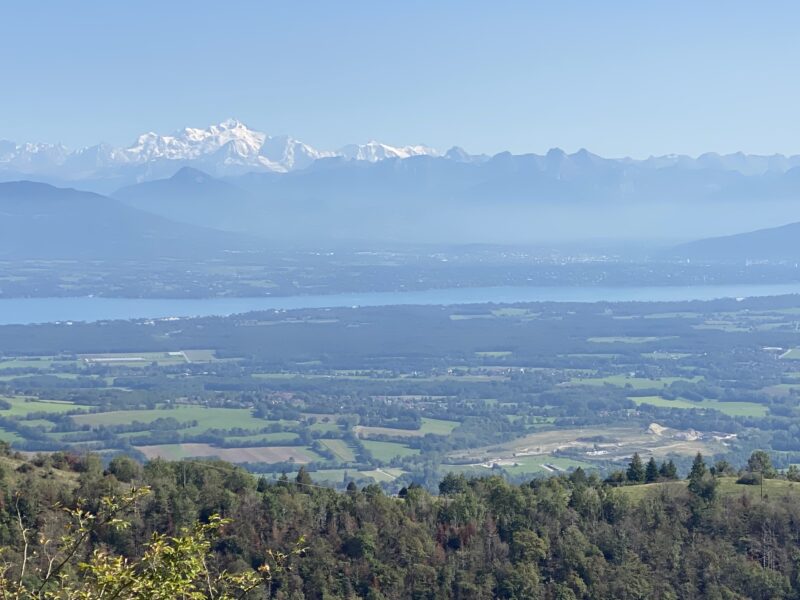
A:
(637, 383)
(340, 449)
(386, 451)
(733, 409)
(432, 426)
(267, 454)
(21, 406)
(207, 418)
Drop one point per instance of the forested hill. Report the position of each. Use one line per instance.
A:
(557, 538)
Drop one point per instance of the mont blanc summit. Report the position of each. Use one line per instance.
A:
(227, 148)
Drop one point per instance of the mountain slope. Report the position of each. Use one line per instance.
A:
(45, 222)
(776, 243)
(194, 197)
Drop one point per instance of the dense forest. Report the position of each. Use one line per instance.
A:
(72, 527)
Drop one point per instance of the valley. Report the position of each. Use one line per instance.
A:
(407, 393)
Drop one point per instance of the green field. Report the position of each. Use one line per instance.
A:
(733, 409)
(773, 488)
(9, 436)
(793, 354)
(386, 451)
(637, 383)
(383, 475)
(432, 426)
(139, 359)
(340, 449)
(260, 439)
(22, 406)
(32, 362)
(494, 354)
(626, 339)
(437, 426)
(539, 465)
(207, 418)
(265, 454)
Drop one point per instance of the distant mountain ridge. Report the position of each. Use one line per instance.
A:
(227, 148)
(231, 148)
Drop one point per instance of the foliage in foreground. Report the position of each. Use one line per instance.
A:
(208, 530)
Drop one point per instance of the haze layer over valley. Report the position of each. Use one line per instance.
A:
(231, 177)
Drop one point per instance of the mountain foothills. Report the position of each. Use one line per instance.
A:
(72, 529)
(776, 243)
(43, 222)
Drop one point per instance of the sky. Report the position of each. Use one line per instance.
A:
(619, 78)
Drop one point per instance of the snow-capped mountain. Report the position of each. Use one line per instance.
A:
(374, 151)
(228, 148)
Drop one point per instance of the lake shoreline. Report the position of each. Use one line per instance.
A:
(25, 311)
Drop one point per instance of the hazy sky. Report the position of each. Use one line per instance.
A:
(619, 78)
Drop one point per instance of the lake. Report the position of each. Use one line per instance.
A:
(45, 310)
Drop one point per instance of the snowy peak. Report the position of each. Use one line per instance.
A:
(191, 143)
(226, 148)
(374, 151)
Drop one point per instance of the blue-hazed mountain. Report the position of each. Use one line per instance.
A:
(194, 197)
(775, 243)
(506, 198)
(41, 221)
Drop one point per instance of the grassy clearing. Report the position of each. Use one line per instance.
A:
(207, 418)
(494, 354)
(386, 451)
(793, 354)
(773, 488)
(266, 454)
(733, 409)
(341, 450)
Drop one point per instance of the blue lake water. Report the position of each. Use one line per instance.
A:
(44, 310)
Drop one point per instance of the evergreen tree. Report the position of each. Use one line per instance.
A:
(698, 468)
(702, 483)
(668, 470)
(636, 472)
(303, 478)
(651, 472)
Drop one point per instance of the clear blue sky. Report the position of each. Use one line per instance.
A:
(619, 78)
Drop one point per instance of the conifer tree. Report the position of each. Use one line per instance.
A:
(651, 472)
(636, 472)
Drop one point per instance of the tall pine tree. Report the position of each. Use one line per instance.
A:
(635, 472)
(651, 472)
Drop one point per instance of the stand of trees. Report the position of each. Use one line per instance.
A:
(210, 530)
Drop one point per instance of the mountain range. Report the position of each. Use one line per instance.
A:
(227, 148)
(231, 148)
(230, 177)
